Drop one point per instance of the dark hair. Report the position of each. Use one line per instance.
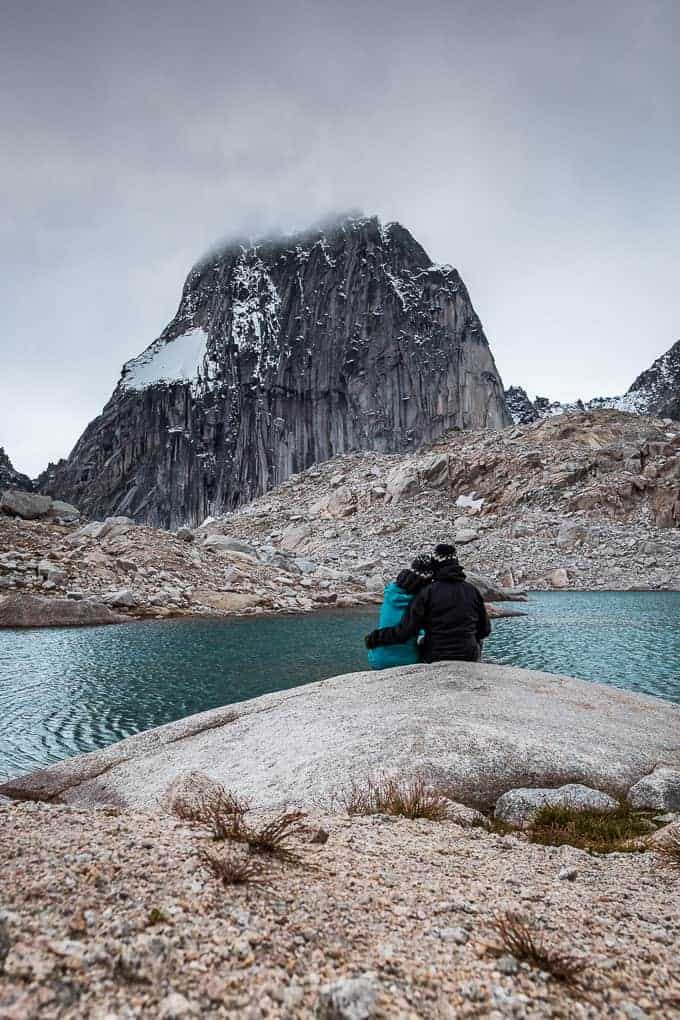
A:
(412, 582)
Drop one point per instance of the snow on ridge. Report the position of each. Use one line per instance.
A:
(409, 285)
(255, 307)
(167, 361)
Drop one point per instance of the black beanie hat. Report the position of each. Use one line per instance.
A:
(423, 564)
(444, 553)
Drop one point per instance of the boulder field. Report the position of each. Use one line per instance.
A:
(48, 564)
(474, 730)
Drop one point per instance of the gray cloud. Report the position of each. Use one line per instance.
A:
(533, 145)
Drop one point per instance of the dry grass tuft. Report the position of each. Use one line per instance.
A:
(231, 868)
(223, 814)
(218, 810)
(391, 795)
(523, 941)
(156, 916)
(273, 837)
(668, 846)
(599, 831)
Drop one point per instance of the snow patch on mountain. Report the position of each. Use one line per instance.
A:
(168, 361)
(255, 307)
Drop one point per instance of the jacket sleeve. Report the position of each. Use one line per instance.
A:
(411, 623)
(483, 621)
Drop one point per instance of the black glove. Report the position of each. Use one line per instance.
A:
(369, 640)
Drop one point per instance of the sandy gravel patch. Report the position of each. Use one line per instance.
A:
(111, 915)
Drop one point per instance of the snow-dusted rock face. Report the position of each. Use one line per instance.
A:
(655, 392)
(281, 355)
(11, 479)
(522, 410)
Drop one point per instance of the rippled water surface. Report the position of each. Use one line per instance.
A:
(66, 691)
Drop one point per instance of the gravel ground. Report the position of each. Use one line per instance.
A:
(110, 915)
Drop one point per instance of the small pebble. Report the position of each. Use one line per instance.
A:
(507, 965)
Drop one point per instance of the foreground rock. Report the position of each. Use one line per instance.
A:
(41, 611)
(112, 914)
(348, 999)
(474, 730)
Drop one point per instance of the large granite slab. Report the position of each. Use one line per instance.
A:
(477, 729)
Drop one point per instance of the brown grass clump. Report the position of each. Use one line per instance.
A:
(272, 837)
(599, 831)
(223, 814)
(523, 941)
(218, 810)
(391, 795)
(668, 846)
(232, 869)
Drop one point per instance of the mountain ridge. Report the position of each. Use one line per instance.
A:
(655, 392)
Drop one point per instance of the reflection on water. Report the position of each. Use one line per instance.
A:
(67, 691)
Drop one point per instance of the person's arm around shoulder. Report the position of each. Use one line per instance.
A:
(411, 624)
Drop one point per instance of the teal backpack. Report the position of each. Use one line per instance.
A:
(395, 603)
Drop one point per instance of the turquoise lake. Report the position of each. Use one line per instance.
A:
(65, 691)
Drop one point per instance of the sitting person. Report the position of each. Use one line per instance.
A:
(397, 598)
(450, 610)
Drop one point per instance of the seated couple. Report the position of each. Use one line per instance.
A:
(430, 614)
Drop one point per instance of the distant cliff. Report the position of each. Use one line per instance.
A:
(655, 392)
(11, 479)
(283, 354)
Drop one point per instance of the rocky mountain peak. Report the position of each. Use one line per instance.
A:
(657, 391)
(283, 353)
(522, 410)
(11, 479)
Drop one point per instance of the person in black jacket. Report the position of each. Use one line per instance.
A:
(451, 612)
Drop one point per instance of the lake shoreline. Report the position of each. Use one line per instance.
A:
(343, 605)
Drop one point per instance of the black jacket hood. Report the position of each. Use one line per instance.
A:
(451, 570)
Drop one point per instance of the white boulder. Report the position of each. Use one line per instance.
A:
(348, 999)
(27, 505)
(402, 481)
(559, 578)
(519, 807)
(223, 543)
(659, 791)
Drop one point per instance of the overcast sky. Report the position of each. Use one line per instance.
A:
(534, 145)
